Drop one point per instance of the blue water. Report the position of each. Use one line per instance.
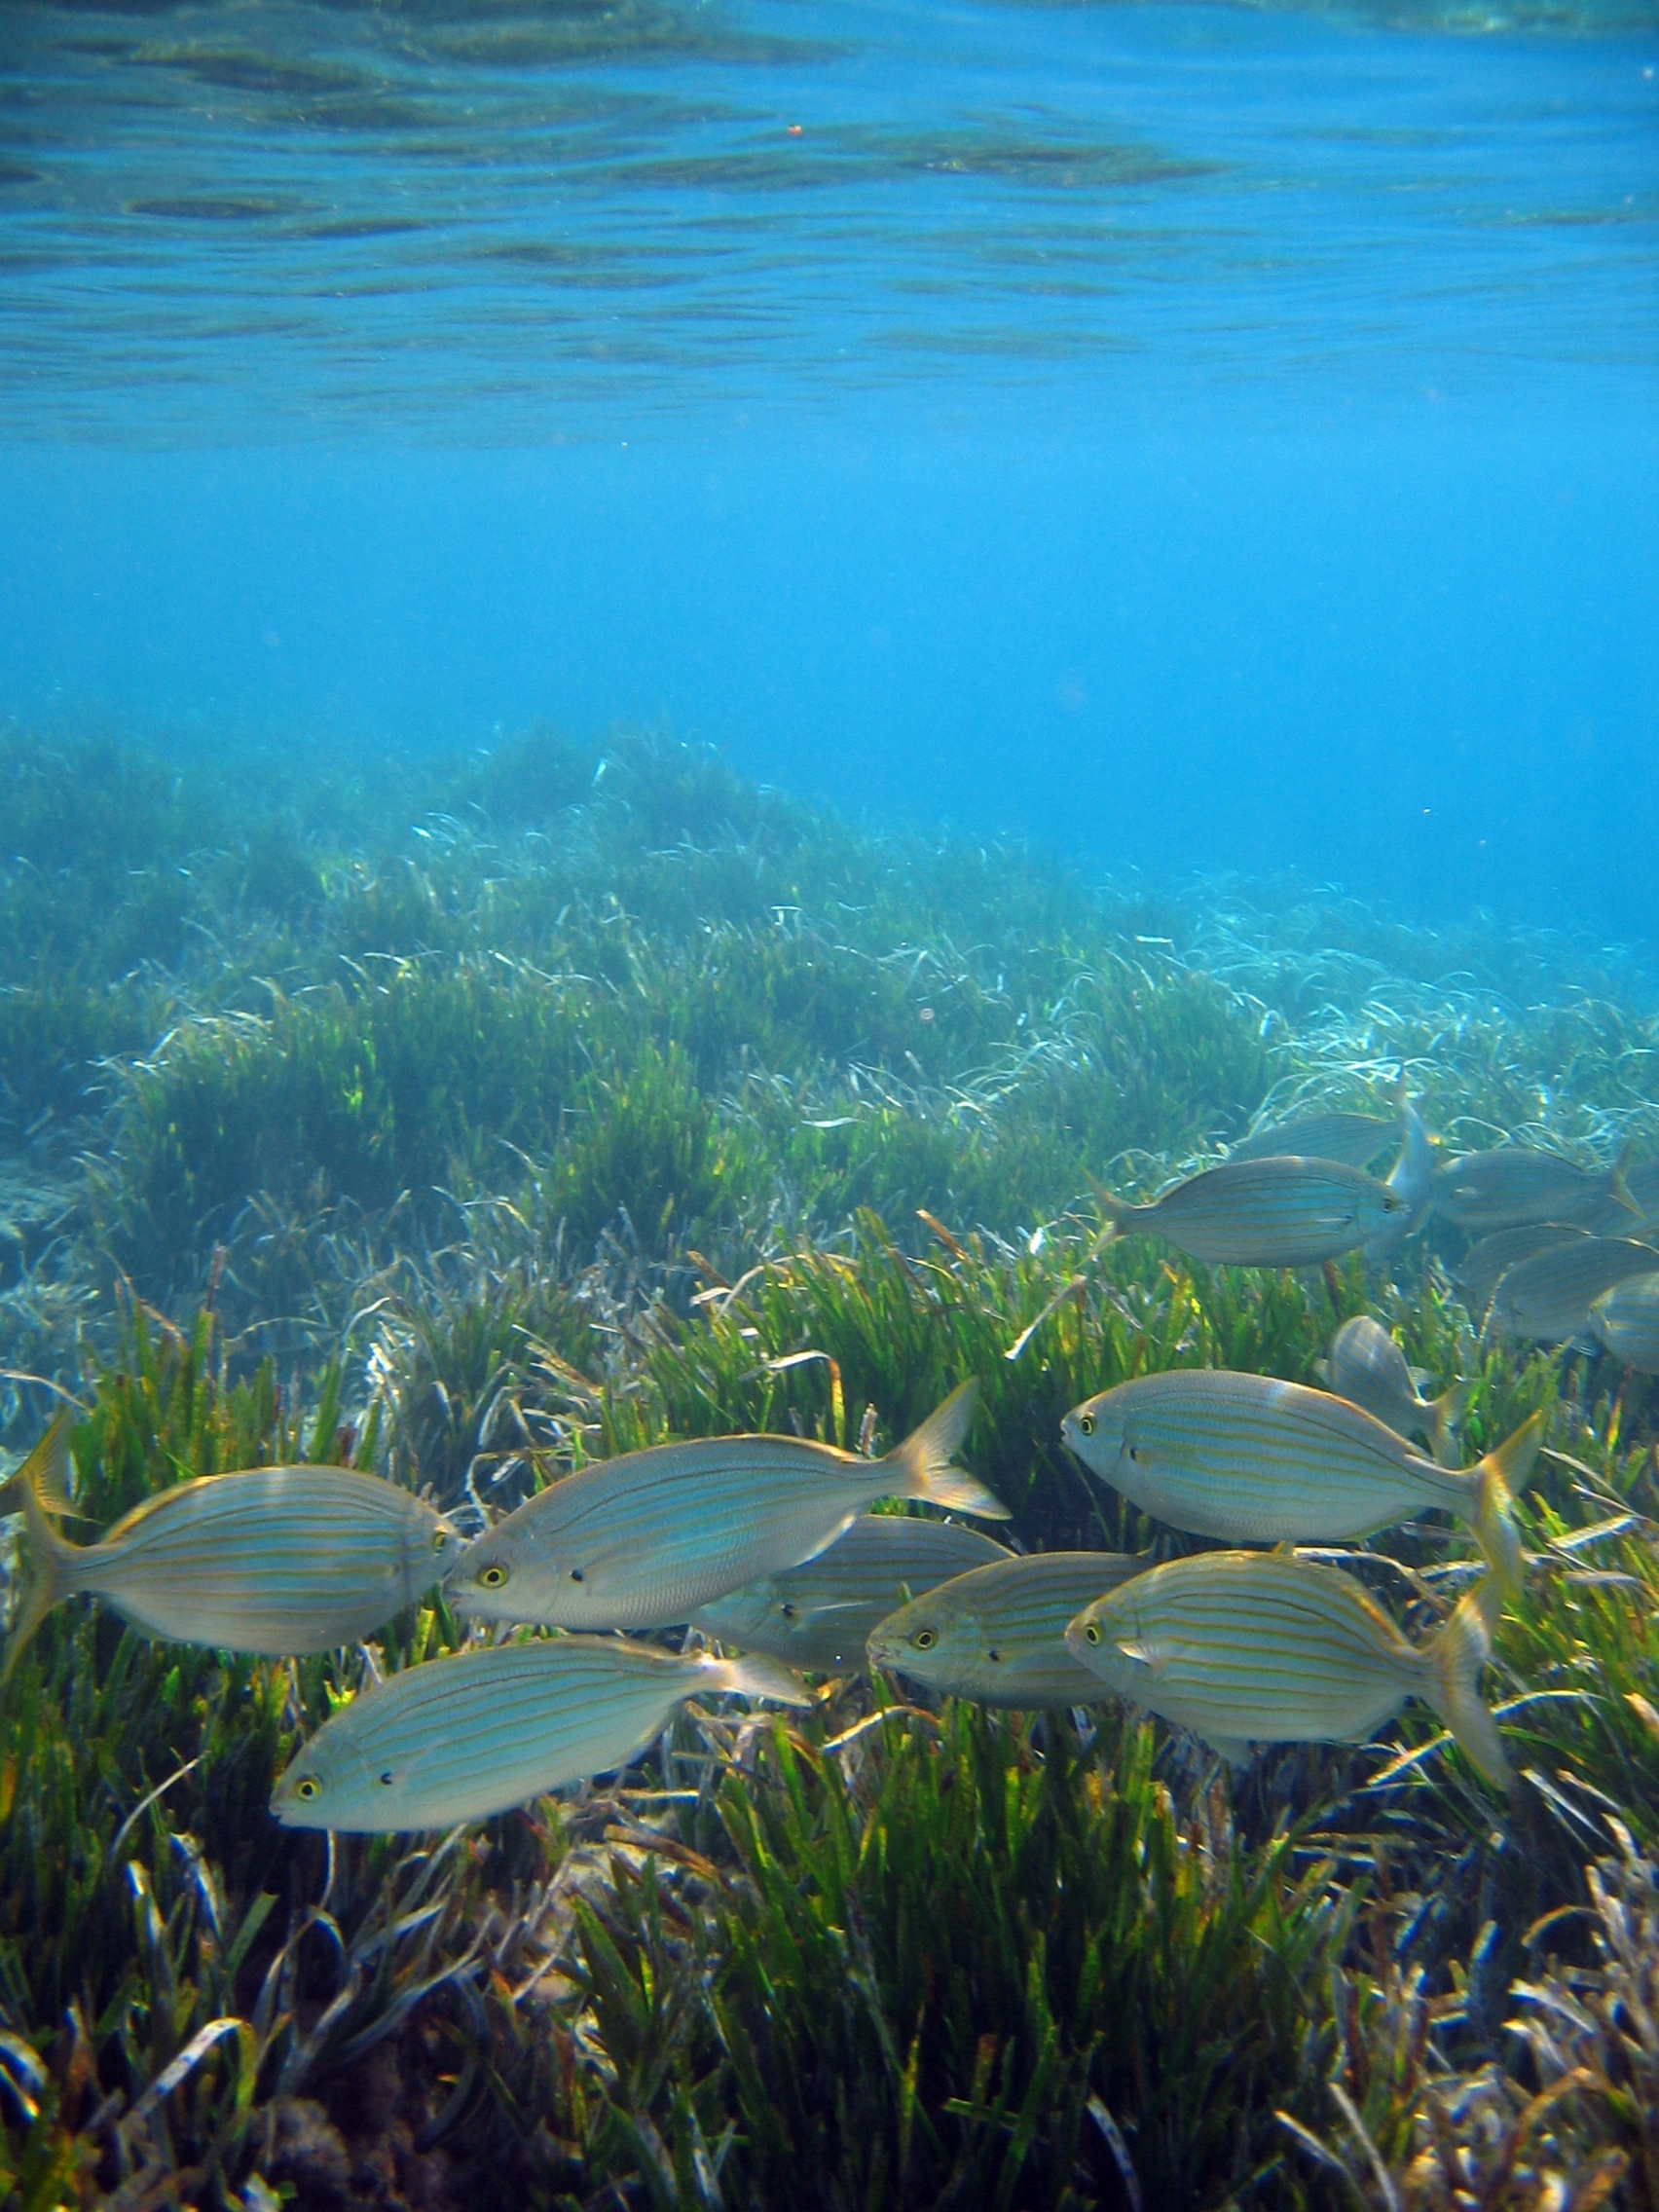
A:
(1195, 437)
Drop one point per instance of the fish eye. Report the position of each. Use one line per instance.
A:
(492, 1578)
(308, 1789)
(1085, 1424)
(924, 1640)
(440, 1540)
(1092, 1634)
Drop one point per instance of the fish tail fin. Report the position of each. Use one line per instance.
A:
(1500, 1474)
(751, 1675)
(921, 1465)
(1618, 1187)
(49, 1583)
(1120, 1217)
(1444, 1418)
(1457, 1656)
(47, 1473)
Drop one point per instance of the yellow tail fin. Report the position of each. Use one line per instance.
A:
(46, 1472)
(1444, 1418)
(752, 1676)
(1501, 1473)
(1120, 1217)
(921, 1465)
(45, 1491)
(1457, 1656)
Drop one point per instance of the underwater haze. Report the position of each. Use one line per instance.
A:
(829, 1093)
(1196, 438)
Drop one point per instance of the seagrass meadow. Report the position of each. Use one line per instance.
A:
(467, 1126)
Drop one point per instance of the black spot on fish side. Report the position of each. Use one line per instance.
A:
(388, 1779)
(576, 1575)
(993, 1656)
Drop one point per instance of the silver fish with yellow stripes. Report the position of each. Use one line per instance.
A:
(1626, 1320)
(460, 1738)
(1368, 1368)
(1282, 1212)
(1484, 1265)
(998, 1633)
(1514, 1184)
(1262, 1647)
(644, 1540)
(1549, 1296)
(1253, 1460)
(819, 1617)
(274, 1560)
(1354, 1139)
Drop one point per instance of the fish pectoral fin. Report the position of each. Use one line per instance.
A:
(1234, 1748)
(1142, 1653)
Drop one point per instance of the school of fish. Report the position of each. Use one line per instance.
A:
(766, 1546)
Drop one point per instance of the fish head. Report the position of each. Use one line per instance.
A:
(935, 1639)
(327, 1784)
(447, 1545)
(507, 1575)
(1098, 1431)
(1106, 1638)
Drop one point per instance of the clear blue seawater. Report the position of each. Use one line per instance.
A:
(1197, 437)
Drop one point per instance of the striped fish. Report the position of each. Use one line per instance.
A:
(1513, 1185)
(644, 1540)
(998, 1634)
(1262, 1647)
(1485, 1264)
(1265, 1213)
(820, 1615)
(459, 1738)
(1255, 1460)
(272, 1560)
(1354, 1139)
(1626, 1320)
(1549, 1297)
(1368, 1368)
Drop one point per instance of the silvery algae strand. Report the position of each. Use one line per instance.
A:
(1253, 1460)
(1368, 1368)
(278, 1561)
(1280, 1212)
(459, 1738)
(998, 1633)
(1262, 1647)
(820, 1615)
(642, 1540)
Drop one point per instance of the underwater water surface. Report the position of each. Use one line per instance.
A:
(1197, 437)
(862, 729)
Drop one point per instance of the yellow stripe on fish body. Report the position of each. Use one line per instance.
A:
(998, 1633)
(1283, 1212)
(1256, 1460)
(644, 1540)
(472, 1734)
(1627, 1322)
(819, 1617)
(278, 1561)
(1246, 1647)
